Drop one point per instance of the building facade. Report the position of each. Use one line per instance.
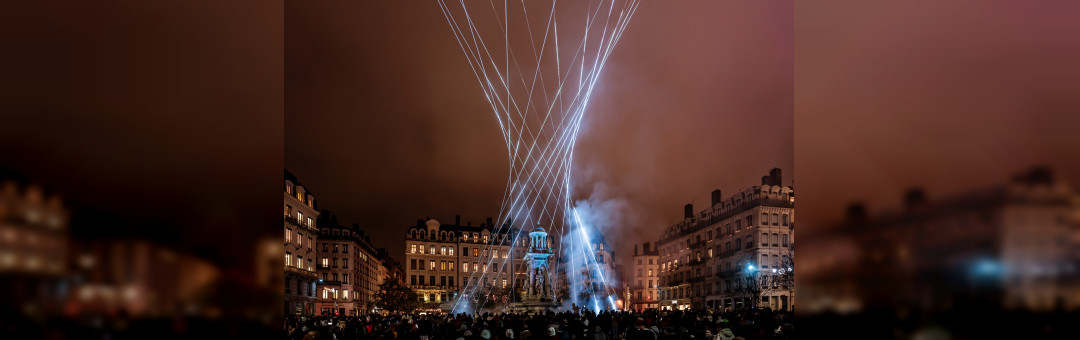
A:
(645, 278)
(348, 268)
(738, 253)
(1013, 244)
(444, 262)
(300, 235)
(33, 246)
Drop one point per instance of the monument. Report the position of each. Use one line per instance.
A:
(539, 293)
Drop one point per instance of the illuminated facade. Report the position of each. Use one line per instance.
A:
(348, 268)
(33, 246)
(443, 261)
(300, 238)
(708, 259)
(645, 278)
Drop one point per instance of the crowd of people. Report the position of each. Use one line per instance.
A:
(630, 325)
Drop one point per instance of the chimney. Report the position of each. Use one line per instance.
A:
(914, 198)
(766, 180)
(717, 196)
(333, 219)
(356, 226)
(470, 223)
(489, 224)
(419, 223)
(688, 210)
(457, 219)
(856, 212)
(776, 178)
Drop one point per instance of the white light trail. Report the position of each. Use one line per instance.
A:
(540, 141)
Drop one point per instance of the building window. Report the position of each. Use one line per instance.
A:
(299, 217)
(775, 239)
(345, 278)
(466, 236)
(325, 262)
(764, 239)
(775, 219)
(309, 242)
(485, 239)
(451, 251)
(344, 263)
(785, 239)
(309, 222)
(476, 237)
(288, 235)
(335, 247)
(464, 267)
(412, 249)
(764, 261)
(709, 234)
(432, 267)
(710, 253)
(432, 249)
(288, 188)
(300, 262)
(764, 219)
(465, 251)
(412, 264)
(442, 265)
(738, 244)
(442, 251)
(421, 280)
(288, 259)
(412, 280)
(495, 253)
(299, 239)
(422, 248)
(450, 266)
(475, 252)
(309, 265)
(784, 219)
(344, 248)
(475, 267)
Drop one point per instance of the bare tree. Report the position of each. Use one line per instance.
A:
(750, 285)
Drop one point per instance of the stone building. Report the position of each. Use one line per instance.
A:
(446, 261)
(644, 281)
(735, 254)
(348, 268)
(34, 239)
(300, 235)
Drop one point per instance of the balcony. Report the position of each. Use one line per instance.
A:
(697, 279)
(728, 253)
(300, 271)
(329, 283)
(697, 245)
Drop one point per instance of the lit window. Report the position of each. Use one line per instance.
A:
(288, 259)
(325, 262)
(345, 294)
(300, 262)
(421, 248)
(432, 248)
(299, 217)
(309, 223)
(464, 267)
(412, 249)
(450, 266)
(475, 267)
(432, 265)
(466, 236)
(288, 236)
(299, 239)
(442, 250)
(451, 251)
(495, 253)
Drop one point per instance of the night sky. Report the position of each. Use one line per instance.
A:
(158, 121)
(949, 96)
(386, 123)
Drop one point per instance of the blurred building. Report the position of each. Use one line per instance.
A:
(391, 269)
(139, 278)
(34, 236)
(1011, 246)
(646, 278)
(737, 253)
(300, 235)
(348, 268)
(446, 260)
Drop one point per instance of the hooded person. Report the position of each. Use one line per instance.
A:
(725, 334)
(551, 332)
(509, 333)
(485, 334)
